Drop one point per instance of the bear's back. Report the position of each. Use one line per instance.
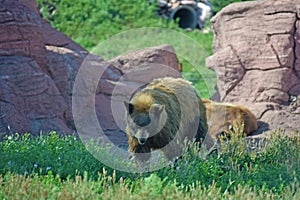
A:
(185, 94)
(191, 107)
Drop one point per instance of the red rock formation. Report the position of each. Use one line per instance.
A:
(29, 98)
(256, 59)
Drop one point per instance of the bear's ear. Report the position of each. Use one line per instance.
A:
(129, 107)
(157, 109)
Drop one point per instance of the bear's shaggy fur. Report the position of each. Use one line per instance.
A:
(223, 118)
(162, 115)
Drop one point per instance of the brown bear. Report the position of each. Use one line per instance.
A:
(223, 118)
(162, 115)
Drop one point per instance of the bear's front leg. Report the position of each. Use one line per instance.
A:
(141, 155)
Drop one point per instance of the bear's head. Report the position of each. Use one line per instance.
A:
(145, 120)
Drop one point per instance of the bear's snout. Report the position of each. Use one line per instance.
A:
(142, 140)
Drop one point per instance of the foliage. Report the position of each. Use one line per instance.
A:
(272, 166)
(271, 170)
(65, 156)
(219, 4)
(90, 21)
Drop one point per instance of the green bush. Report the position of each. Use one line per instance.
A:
(275, 166)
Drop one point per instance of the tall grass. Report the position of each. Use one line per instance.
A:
(54, 166)
(51, 187)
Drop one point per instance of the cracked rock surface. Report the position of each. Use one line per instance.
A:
(257, 60)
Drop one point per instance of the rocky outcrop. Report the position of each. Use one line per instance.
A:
(256, 59)
(30, 101)
(39, 66)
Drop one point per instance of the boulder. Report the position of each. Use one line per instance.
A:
(256, 59)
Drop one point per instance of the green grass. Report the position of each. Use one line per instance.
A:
(52, 166)
(153, 187)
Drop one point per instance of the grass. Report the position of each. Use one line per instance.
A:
(153, 187)
(54, 167)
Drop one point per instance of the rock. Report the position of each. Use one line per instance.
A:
(52, 37)
(146, 64)
(29, 99)
(256, 59)
(62, 67)
(21, 32)
(35, 78)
